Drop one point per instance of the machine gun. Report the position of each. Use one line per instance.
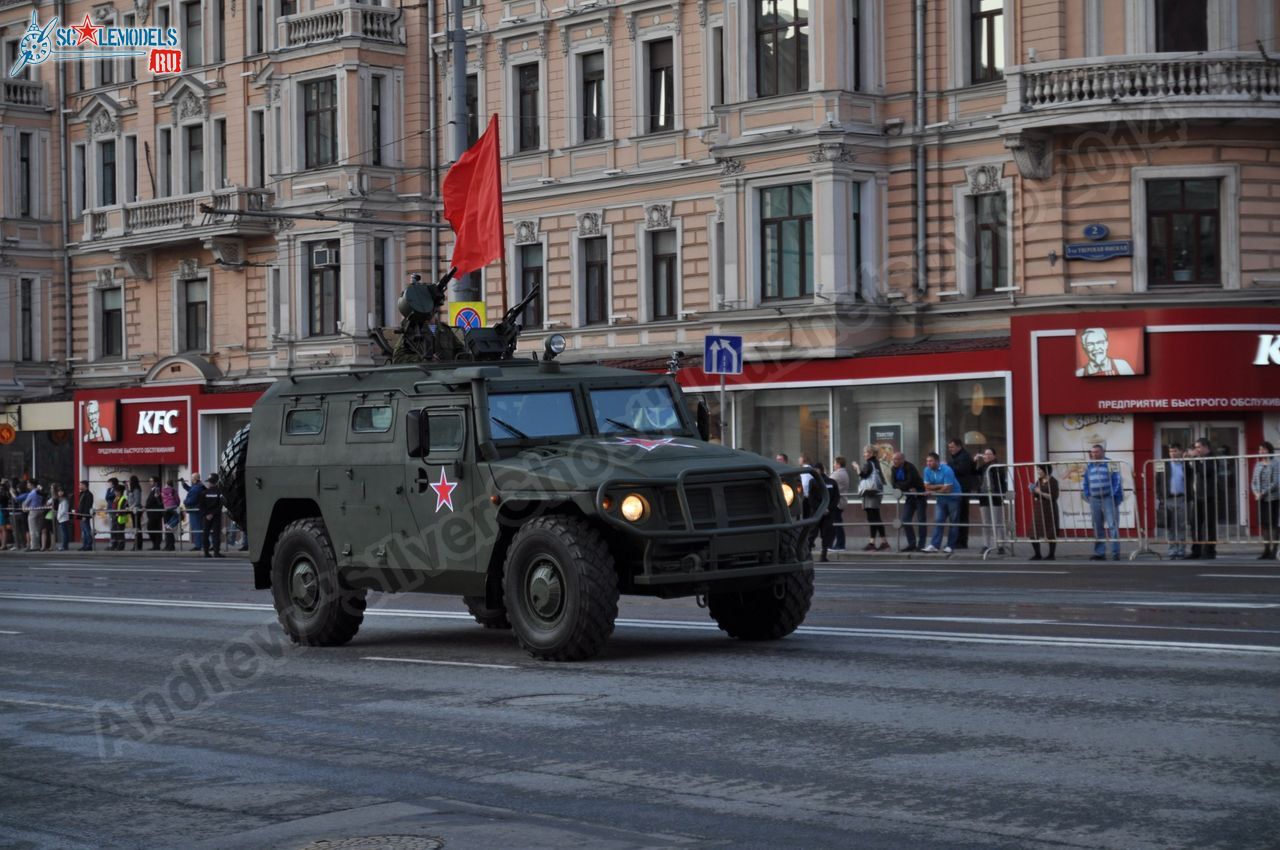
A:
(499, 341)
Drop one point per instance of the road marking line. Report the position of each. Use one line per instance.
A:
(1001, 621)
(442, 663)
(680, 625)
(1205, 604)
(38, 704)
(1233, 575)
(934, 570)
(113, 569)
(7, 632)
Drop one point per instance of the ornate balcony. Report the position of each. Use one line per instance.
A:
(167, 220)
(373, 23)
(22, 93)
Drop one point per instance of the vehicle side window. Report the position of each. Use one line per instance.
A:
(374, 419)
(446, 432)
(304, 422)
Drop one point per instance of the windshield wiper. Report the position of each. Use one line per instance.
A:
(513, 429)
(623, 425)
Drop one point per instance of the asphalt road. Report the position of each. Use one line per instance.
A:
(150, 701)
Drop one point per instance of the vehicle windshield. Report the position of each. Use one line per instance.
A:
(635, 410)
(522, 416)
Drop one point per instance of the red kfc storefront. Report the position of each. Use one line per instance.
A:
(166, 430)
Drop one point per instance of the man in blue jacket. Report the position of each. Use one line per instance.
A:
(195, 515)
(1104, 492)
(941, 481)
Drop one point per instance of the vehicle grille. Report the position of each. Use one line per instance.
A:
(733, 503)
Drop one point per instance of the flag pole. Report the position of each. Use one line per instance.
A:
(502, 257)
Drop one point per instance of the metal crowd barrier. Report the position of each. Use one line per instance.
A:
(1193, 506)
(103, 525)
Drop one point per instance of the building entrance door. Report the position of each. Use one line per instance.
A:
(1227, 440)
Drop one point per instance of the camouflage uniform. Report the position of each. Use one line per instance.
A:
(443, 344)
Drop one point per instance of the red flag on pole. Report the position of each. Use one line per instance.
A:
(473, 203)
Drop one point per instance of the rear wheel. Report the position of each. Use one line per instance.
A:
(312, 604)
(766, 613)
(490, 618)
(561, 589)
(231, 475)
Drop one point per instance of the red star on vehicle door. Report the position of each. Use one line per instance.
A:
(444, 491)
(647, 444)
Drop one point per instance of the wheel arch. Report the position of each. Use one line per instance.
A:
(511, 518)
(283, 512)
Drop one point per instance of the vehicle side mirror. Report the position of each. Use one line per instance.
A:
(416, 433)
(704, 421)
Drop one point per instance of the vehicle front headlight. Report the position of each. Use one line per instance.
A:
(635, 507)
(788, 493)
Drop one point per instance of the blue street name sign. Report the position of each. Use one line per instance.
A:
(722, 355)
(1098, 251)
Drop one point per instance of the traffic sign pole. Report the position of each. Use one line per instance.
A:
(724, 430)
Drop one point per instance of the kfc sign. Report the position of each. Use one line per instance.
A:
(155, 421)
(1268, 350)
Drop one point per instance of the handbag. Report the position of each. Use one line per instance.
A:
(870, 485)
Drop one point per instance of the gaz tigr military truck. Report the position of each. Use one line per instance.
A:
(537, 491)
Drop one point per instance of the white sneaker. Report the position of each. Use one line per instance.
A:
(930, 548)
(946, 550)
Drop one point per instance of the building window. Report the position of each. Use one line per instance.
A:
(219, 30)
(375, 119)
(81, 188)
(986, 40)
(112, 322)
(786, 241)
(166, 163)
(662, 274)
(107, 174)
(27, 318)
(323, 295)
(990, 272)
(320, 122)
(106, 72)
(379, 282)
(591, 67)
(130, 169)
(257, 26)
(717, 66)
(195, 158)
(1183, 232)
(662, 85)
(531, 276)
(527, 89)
(595, 276)
(130, 73)
(258, 151)
(193, 35)
(221, 178)
(782, 46)
(1182, 26)
(855, 57)
(25, 176)
(196, 331)
(473, 109)
(11, 59)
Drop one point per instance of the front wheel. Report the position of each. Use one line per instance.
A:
(560, 588)
(312, 604)
(490, 618)
(766, 613)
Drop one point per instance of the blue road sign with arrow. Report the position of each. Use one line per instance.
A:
(722, 355)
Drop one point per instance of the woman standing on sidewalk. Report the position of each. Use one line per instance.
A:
(135, 509)
(62, 515)
(169, 498)
(1044, 512)
(1265, 486)
(871, 488)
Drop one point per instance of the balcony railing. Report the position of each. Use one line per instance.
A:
(375, 24)
(22, 93)
(165, 218)
(1156, 78)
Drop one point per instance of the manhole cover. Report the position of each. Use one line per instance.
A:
(379, 842)
(548, 699)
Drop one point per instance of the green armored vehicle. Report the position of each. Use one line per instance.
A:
(537, 491)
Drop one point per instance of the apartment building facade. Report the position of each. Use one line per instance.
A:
(872, 194)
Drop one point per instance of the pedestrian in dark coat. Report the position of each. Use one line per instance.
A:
(1202, 475)
(961, 463)
(1045, 520)
(211, 503)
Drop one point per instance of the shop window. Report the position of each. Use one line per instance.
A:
(591, 70)
(320, 122)
(663, 289)
(1182, 26)
(782, 46)
(595, 280)
(527, 96)
(660, 58)
(892, 417)
(1183, 232)
(986, 40)
(786, 241)
(324, 296)
(792, 421)
(974, 411)
(530, 277)
(111, 322)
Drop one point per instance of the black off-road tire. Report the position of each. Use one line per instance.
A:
(759, 614)
(231, 474)
(490, 618)
(561, 589)
(313, 605)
